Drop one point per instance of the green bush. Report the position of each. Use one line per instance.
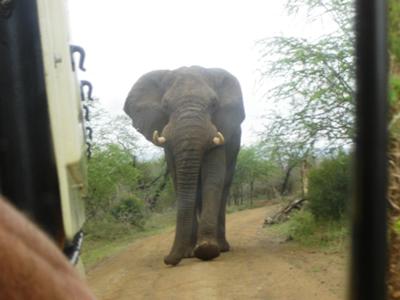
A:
(111, 172)
(329, 187)
(105, 228)
(129, 210)
(397, 226)
(304, 228)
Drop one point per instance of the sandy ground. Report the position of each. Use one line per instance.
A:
(259, 266)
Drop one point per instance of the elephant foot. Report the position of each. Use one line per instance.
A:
(206, 250)
(172, 259)
(176, 256)
(224, 245)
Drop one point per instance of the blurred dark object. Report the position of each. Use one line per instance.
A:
(369, 232)
(6, 8)
(28, 174)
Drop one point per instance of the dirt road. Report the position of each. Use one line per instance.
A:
(259, 266)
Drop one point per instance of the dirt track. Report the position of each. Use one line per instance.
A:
(259, 266)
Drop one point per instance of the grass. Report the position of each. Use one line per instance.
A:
(106, 237)
(304, 229)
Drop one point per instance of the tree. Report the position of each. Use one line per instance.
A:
(112, 129)
(287, 154)
(251, 168)
(329, 187)
(315, 79)
(111, 176)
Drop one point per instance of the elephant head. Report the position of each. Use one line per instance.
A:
(189, 112)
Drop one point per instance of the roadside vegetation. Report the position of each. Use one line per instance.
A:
(313, 137)
(323, 222)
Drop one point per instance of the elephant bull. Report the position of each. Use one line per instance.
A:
(195, 114)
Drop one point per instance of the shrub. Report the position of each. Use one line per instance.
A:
(329, 187)
(129, 210)
(110, 172)
(305, 229)
(105, 228)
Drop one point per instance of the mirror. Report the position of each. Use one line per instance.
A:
(288, 206)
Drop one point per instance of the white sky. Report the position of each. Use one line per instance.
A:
(124, 39)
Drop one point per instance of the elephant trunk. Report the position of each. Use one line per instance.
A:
(189, 146)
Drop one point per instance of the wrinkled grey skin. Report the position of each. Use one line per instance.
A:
(188, 107)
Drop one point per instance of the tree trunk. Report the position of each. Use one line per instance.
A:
(241, 194)
(251, 192)
(286, 179)
(152, 201)
(305, 168)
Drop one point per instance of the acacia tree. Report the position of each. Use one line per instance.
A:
(315, 81)
(247, 170)
(253, 168)
(112, 129)
(116, 132)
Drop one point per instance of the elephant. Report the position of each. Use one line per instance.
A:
(195, 115)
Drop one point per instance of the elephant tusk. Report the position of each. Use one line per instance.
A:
(158, 140)
(219, 139)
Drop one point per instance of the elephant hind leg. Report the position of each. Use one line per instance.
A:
(232, 150)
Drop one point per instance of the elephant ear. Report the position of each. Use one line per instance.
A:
(143, 104)
(230, 112)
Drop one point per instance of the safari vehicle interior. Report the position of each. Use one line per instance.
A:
(43, 147)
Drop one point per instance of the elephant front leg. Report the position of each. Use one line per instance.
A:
(212, 183)
(189, 251)
(186, 225)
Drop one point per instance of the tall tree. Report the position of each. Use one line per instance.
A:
(112, 129)
(315, 81)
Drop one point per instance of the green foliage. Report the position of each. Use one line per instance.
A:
(397, 226)
(305, 229)
(105, 228)
(329, 187)
(394, 50)
(249, 165)
(167, 197)
(394, 91)
(111, 173)
(315, 82)
(255, 175)
(106, 237)
(129, 210)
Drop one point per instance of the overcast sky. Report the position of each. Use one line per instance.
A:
(124, 39)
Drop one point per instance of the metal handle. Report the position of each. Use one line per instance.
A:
(89, 150)
(90, 90)
(89, 132)
(86, 116)
(77, 49)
